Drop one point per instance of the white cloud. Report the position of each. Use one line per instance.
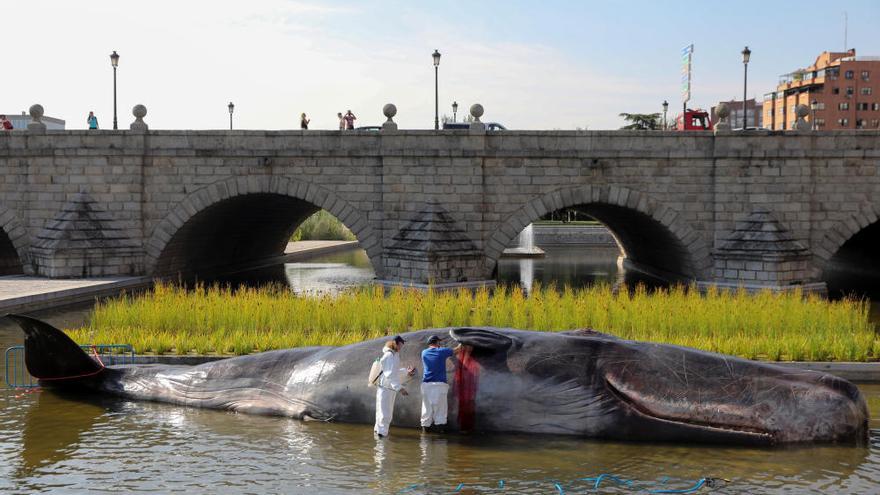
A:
(275, 59)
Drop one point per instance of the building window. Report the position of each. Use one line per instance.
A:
(866, 91)
(860, 123)
(866, 75)
(849, 90)
(848, 74)
(820, 122)
(820, 105)
(875, 122)
(861, 106)
(875, 106)
(843, 122)
(835, 91)
(843, 106)
(833, 72)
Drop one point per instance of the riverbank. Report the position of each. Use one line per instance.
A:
(24, 293)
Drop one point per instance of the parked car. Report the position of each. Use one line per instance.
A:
(490, 126)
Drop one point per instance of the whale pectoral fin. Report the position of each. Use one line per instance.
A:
(482, 338)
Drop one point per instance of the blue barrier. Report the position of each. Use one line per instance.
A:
(106, 354)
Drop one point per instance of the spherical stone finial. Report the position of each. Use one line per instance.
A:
(722, 110)
(139, 111)
(36, 112)
(477, 111)
(389, 110)
(802, 110)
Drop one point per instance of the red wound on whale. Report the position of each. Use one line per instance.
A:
(467, 375)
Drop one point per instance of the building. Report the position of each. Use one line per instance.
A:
(22, 121)
(754, 113)
(841, 89)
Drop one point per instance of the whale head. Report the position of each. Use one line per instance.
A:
(598, 385)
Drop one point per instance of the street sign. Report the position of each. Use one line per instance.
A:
(687, 54)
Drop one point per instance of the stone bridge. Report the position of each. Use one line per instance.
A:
(763, 209)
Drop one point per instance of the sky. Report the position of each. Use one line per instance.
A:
(532, 65)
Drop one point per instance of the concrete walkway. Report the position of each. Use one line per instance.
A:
(20, 293)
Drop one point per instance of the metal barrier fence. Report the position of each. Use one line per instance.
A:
(17, 375)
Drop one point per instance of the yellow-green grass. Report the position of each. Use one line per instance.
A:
(219, 320)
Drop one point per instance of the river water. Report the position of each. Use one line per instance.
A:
(55, 444)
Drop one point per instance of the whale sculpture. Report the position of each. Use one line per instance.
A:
(575, 383)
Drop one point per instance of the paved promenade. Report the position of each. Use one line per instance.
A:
(28, 293)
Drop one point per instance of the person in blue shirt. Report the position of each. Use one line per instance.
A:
(92, 121)
(434, 386)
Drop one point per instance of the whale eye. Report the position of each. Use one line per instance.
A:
(482, 338)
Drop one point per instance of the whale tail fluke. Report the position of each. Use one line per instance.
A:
(50, 355)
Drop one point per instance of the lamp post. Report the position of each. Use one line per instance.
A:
(114, 61)
(454, 109)
(814, 105)
(745, 53)
(436, 57)
(231, 108)
(665, 108)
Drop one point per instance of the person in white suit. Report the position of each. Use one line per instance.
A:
(389, 385)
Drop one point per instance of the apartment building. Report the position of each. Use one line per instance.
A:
(841, 89)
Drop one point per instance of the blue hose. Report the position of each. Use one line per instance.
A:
(692, 489)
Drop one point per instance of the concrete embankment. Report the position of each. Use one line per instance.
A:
(571, 234)
(21, 293)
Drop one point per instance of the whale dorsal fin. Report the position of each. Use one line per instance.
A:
(482, 338)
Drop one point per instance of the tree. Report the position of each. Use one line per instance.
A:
(642, 121)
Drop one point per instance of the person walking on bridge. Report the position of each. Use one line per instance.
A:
(434, 386)
(389, 385)
(304, 122)
(5, 125)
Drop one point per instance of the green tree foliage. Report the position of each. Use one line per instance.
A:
(322, 226)
(642, 121)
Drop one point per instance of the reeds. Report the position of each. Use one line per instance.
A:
(220, 320)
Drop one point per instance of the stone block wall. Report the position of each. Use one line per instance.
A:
(670, 198)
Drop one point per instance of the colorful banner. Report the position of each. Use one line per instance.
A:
(687, 54)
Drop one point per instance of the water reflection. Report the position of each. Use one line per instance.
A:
(576, 266)
(71, 447)
(331, 273)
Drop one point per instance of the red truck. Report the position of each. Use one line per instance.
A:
(694, 120)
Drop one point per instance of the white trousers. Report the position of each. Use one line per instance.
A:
(384, 409)
(434, 403)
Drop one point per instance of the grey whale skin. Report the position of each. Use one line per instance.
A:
(575, 383)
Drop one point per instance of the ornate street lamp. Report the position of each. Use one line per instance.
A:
(436, 57)
(231, 108)
(745, 53)
(114, 60)
(665, 108)
(454, 109)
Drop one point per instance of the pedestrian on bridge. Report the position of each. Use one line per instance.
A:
(341, 121)
(304, 122)
(92, 121)
(349, 120)
(5, 125)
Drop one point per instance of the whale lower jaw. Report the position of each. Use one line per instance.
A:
(711, 431)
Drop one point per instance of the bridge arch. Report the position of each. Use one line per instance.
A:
(849, 250)
(269, 207)
(650, 233)
(14, 245)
